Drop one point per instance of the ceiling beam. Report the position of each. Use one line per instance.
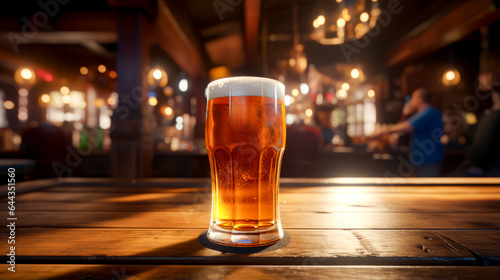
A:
(67, 37)
(99, 21)
(452, 27)
(87, 28)
(90, 40)
(252, 21)
(170, 36)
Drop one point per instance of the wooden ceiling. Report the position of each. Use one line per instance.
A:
(201, 34)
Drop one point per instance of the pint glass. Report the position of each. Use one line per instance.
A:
(245, 137)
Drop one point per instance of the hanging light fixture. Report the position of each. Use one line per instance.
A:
(451, 78)
(349, 20)
(24, 76)
(157, 77)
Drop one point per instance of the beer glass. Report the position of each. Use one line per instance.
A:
(245, 138)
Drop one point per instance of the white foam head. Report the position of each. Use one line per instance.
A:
(246, 86)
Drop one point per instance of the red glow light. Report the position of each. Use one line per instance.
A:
(48, 77)
(40, 73)
(329, 96)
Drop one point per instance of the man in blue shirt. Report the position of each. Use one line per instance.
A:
(426, 127)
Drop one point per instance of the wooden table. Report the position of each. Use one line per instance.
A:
(366, 228)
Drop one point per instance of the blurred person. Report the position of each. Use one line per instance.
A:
(484, 157)
(426, 127)
(323, 119)
(403, 141)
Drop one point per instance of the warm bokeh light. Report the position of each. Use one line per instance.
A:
(23, 92)
(321, 19)
(152, 101)
(111, 101)
(157, 74)
(450, 75)
(101, 68)
(112, 74)
(22, 114)
(304, 88)
(345, 14)
(168, 91)
(219, 73)
(316, 23)
(364, 17)
(183, 85)
(292, 62)
(355, 73)
(168, 111)
(45, 98)
(24, 76)
(471, 118)
(295, 92)
(157, 77)
(84, 70)
(346, 86)
(27, 74)
(371, 93)
(451, 78)
(9, 105)
(99, 102)
(340, 22)
(64, 90)
(309, 112)
(301, 64)
(66, 99)
(342, 94)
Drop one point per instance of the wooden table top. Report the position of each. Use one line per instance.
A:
(344, 228)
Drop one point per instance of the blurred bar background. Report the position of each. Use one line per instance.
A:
(117, 88)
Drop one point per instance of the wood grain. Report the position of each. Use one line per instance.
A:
(106, 272)
(356, 201)
(337, 206)
(326, 246)
(87, 222)
(198, 220)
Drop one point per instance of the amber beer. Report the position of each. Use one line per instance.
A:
(245, 137)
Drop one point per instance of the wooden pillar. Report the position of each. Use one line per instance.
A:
(132, 141)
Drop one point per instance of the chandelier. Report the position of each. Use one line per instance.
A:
(345, 20)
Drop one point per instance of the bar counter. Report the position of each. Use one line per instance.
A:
(337, 228)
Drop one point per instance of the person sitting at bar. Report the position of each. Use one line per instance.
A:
(426, 127)
(484, 157)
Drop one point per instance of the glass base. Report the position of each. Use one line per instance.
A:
(239, 238)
